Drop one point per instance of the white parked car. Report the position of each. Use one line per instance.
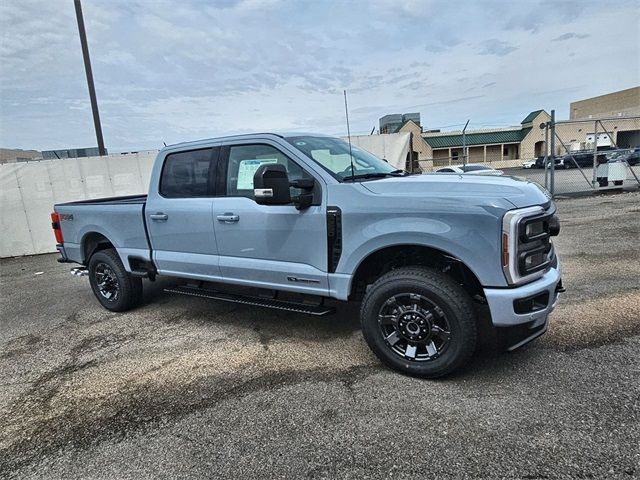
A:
(471, 169)
(529, 164)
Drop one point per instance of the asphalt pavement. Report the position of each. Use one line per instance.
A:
(192, 388)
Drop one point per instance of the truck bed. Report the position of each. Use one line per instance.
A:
(120, 220)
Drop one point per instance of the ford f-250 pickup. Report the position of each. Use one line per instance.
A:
(300, 218)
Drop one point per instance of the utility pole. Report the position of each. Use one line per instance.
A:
(87, 69)
(552, 157)
(464, 144)
(594, 180)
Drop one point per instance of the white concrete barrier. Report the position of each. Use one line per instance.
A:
(28, 191)
(393, 147)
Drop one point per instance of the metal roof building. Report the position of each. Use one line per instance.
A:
(478, 138)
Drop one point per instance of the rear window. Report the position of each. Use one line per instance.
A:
(186, 174)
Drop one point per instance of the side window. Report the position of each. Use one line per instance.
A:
(244, 160)
(186, 174)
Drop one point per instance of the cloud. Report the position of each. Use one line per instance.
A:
(176, 70)
(570, 35)
(407, 8)
(449, 101)
(497, 47)
(442, 43)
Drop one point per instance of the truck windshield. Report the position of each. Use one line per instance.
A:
(333, 155)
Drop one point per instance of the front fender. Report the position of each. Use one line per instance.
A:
(474, 243)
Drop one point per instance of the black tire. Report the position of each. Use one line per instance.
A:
(112, 285)
(425, 287)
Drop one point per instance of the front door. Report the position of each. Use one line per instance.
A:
(179, 215)
(271, 246)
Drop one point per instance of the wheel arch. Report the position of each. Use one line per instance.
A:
(387, 258)
(93, 242)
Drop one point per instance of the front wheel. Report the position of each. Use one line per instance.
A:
(419, 321)
(112, 285)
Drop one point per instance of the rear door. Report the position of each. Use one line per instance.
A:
(179, 215)
(270, 246)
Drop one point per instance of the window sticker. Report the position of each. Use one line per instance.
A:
(247, 170)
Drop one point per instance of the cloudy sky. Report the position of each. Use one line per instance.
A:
(182, 70)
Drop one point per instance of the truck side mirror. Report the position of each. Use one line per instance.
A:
(271, 185)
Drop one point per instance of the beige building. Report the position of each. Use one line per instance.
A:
(620, 132)
(613, 120)
(434, 149)
(625, 103)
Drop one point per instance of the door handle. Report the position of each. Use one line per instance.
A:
(228, 218)
(159, 217)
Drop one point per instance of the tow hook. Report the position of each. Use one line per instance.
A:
(79, 271)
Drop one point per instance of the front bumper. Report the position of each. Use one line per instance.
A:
(503, 301)
(515, 329)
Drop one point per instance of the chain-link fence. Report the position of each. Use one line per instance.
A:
(588, 155)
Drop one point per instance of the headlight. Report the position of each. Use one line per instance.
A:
(534, 230)
(526, 244)
(533, 260)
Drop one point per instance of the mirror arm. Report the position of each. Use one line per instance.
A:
(303, 201)
(303, 183)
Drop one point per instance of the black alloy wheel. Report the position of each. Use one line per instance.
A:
(414, 327)
(112, 285)
(107, 282)
(419, 321)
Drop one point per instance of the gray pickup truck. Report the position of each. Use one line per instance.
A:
(287, 221)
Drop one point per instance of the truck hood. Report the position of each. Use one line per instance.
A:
(518, 191)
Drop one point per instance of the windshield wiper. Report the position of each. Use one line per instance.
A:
(394, 173)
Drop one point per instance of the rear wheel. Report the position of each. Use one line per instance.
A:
(112, 285)
(419, 321)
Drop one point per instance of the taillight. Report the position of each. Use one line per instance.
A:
(55, 224)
